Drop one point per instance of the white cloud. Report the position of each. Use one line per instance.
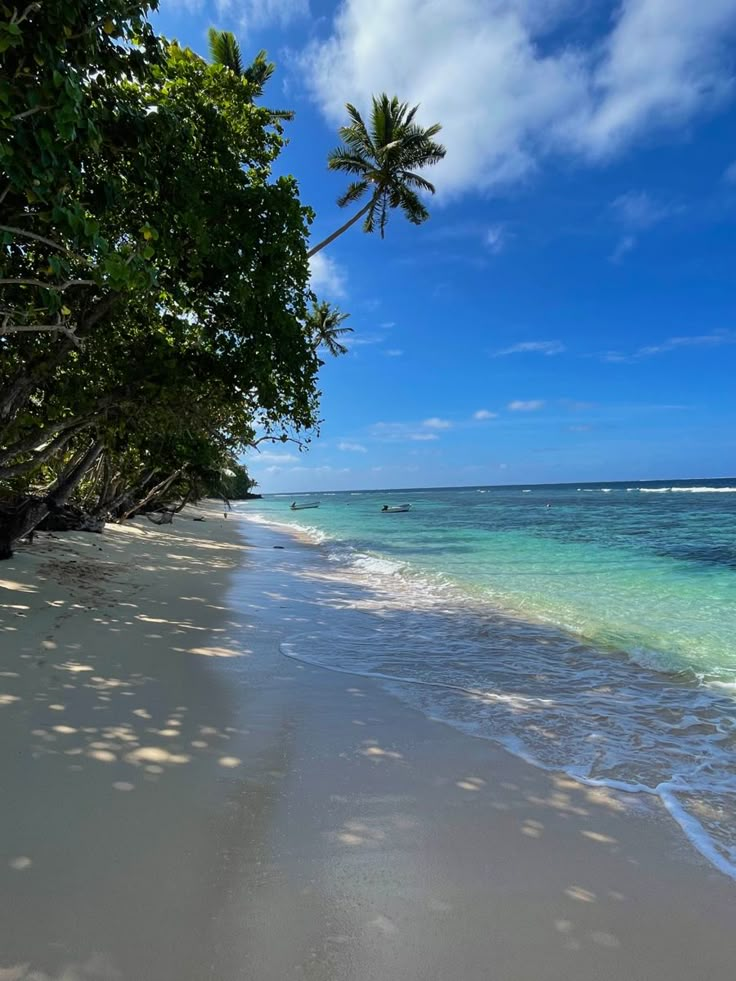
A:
(325, 468)
(496, 238)
(435, 423)
(717, 338)
(729, 174)
(665, 61)
(575, 405)
(363, 340)
(482, 414)
(393, 352)
(393, 432)
(518, 405)
(253, 14)
(531, 347)
(267, 456)
(326, 276)
(625, 245)
(509, 87)
(347, 447)
(637, 209)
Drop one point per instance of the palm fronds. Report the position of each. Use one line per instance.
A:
(386, 155)
(225, 50)
(324, 323)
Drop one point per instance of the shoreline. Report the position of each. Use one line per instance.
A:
(201, 806)
(663, 793)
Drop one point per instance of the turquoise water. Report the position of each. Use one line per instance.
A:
(587, 627)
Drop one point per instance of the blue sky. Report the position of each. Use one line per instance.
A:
(569, 311)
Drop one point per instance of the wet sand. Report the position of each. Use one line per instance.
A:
(181, 802)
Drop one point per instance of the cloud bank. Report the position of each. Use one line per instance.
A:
(509, 91)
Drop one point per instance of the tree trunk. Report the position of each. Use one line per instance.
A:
(105, 489)
(160, 488)
(331, 238)
(22, 520)
(121, 493)
(61, 491)
(185, 500)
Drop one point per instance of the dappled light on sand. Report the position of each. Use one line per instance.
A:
(199, 805)
(373, 751)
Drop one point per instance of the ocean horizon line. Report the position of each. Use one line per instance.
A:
(520, 484)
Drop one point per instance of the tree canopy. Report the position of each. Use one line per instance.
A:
(155, 285)
(156, 317)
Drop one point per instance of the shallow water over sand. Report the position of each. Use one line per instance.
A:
(593, 635)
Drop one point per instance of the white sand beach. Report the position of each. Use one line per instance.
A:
(181, 802)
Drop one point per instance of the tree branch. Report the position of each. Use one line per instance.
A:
(26, 12)
(36, 238)
(39, 458)
(28, 112)
(41, 328)
(159, 489)
(253, 445)
(48, 286)
(38, 440)
(99, 23)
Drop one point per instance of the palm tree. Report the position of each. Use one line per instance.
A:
(385, 161)
(225, 50)
(324, 326)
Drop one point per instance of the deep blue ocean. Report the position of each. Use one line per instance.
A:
(587, 627)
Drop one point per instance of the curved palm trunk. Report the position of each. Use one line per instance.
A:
(338, 233)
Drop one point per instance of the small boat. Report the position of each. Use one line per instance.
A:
(395, 508)
(304, 507)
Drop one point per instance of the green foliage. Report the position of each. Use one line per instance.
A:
(154, 277)
(235, 484)
(225, 51)
(63, 66)
(180, 265)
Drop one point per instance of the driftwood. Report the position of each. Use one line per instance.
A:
(71, 518)
(164, 517)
